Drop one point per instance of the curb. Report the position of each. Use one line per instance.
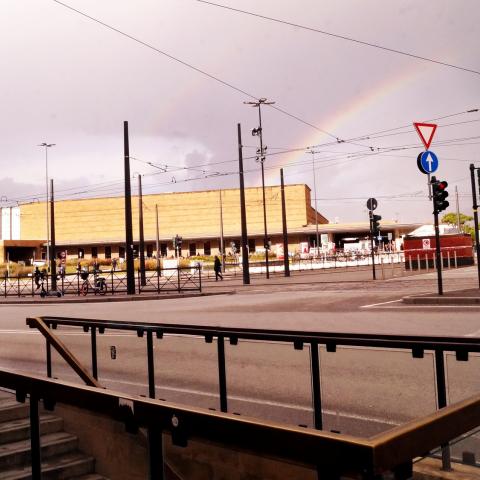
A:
(440, 300)
(122, 298)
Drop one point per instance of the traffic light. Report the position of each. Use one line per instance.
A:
(439, 195)
(376, 224)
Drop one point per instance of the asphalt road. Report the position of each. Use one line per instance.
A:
(364, 391)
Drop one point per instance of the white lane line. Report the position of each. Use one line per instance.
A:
(382, 303)
(269, 403)
(473, 334)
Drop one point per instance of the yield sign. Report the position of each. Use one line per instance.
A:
(425, 132)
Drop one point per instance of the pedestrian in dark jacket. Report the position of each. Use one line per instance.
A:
(217, 267)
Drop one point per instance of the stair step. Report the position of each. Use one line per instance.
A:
(73, 465)
(90, 476)
(52, 444)
(10, 409)
(19, 429)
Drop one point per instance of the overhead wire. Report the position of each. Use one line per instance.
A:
(342, 37)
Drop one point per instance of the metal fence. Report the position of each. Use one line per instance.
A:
(331, 455)
(179, 279)
(417, 345)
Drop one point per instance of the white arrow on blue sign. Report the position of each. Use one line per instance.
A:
(427, 162)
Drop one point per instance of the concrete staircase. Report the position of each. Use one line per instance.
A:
(60, 456)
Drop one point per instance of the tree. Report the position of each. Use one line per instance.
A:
(451, 219)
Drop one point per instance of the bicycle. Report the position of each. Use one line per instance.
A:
(99, 284)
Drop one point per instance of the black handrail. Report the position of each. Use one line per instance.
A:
(329, 453)
(417, 344)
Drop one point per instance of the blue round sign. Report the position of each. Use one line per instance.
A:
(427, 162)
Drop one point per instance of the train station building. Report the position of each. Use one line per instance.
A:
(95, 227)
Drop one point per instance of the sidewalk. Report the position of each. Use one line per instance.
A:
(455, 297)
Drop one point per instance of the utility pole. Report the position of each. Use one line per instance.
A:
(158, 238)
(475, 215)
(47, 253)
(261, 158)
(128, 214)
(458, 210)
(141, 246)
(315, 203)
(53, 268)
(243, 211)
(222, 240)
(286, 261)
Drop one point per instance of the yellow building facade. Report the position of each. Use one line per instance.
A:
(96, 226)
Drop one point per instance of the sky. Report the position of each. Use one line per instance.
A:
(68, 80)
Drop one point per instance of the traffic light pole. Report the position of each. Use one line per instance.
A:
(475, 215)
(370, 212)
(128, 214)
(437, 253)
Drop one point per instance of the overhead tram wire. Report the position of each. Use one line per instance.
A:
(342, 37)
(196, 69)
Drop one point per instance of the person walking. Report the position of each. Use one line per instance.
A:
(217, 267)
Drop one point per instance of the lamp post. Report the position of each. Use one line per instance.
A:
(261, 158)
(315, 203)
(47, 146)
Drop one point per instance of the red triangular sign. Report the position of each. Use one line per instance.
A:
(425, 132)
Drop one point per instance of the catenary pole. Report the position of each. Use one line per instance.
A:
(222, 240)
(53, 266)
(158, 237)
(141, 246)
(286, 261)
(243, 212)
(475, 217)
(128, 214)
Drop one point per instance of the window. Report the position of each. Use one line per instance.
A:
(121, 252)
(94, 252)
(163, 249)
(149, 250)
(192, 247)
(108, 252)
(207, 249)
(251, 245)
(81, 253)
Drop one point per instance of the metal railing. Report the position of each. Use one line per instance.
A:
(331, 455)
(166, 280)
(417, 345)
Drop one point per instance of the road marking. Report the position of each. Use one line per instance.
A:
(473, 334)
(382, 303)
(269, 403)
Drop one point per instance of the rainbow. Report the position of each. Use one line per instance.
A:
(348, 113)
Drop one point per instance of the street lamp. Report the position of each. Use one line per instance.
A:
(261, 158)
(47, 146)
(315, 193)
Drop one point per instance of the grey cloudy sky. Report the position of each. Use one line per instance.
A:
(70, 81)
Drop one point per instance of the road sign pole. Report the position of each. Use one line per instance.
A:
(372, 244)
(437, 253)
(475, 217)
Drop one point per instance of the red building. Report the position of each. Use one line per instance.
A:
(456, 250)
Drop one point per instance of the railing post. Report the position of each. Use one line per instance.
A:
(33, 280)
(36, 453)
(93, 336)
(151, 365)
(78, 283)
(158, 279)
(418, 261)
(442, 401)
(200, 277)
(455, 258)
(448, 259)
(426, 262)
(316, 391)
(178, 277)
(113, 289)
(18, 286)
(49, 359)
(410, 262)
(222, 378)
(155, 454)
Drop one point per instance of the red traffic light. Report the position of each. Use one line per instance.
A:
(442, 185)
